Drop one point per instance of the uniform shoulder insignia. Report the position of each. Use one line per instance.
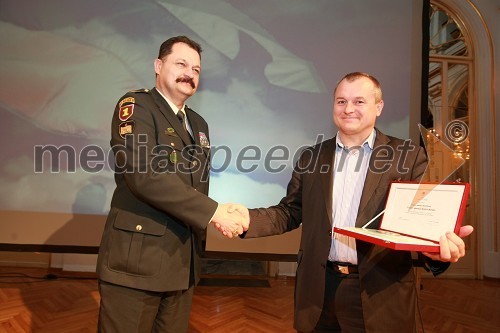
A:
(144, 90)
(126, 100)
(126, 111)
(126, 104)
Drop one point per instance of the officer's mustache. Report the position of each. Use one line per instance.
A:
(187, 80)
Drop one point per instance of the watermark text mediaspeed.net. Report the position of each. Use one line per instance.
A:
(138, 155)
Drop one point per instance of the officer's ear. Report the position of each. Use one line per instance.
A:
(157, 65)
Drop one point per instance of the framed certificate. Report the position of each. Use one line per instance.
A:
(416, 216)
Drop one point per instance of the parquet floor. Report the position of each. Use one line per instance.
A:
(31, 304)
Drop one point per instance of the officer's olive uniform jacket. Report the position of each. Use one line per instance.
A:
(160, 207)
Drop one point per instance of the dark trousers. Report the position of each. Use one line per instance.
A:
(128, 310)
(342, 310)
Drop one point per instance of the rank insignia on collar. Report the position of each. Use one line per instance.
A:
(204, 140)
(170, 131)
(126, 100)
(126, 112)
(127, 127)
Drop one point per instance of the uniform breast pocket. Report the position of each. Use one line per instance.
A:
(136, 245)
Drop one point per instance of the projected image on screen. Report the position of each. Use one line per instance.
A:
(268, 70)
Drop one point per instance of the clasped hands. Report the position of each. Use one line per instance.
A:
(231, 219)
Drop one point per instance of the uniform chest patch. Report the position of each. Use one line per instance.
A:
(204, 140)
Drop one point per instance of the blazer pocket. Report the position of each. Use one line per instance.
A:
(136, 245)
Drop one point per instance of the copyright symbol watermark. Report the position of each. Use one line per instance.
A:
(457, 131)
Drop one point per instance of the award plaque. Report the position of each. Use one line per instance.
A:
(416, 216)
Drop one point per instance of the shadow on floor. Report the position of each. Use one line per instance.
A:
(234, 271)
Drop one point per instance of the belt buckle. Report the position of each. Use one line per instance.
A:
(343, 269)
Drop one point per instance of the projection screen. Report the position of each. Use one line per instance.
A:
(268, 70)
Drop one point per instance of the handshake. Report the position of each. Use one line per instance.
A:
(231, 219)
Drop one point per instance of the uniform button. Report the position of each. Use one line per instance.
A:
(195, 163)
(172, 144)
(138, 227)
(330, 232)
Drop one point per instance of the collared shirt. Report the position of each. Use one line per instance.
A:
(350, 168)
(176, 110)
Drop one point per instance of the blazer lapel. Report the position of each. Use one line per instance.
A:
(202, 152)
(326, 157)
(167, 111)
(372, 179)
